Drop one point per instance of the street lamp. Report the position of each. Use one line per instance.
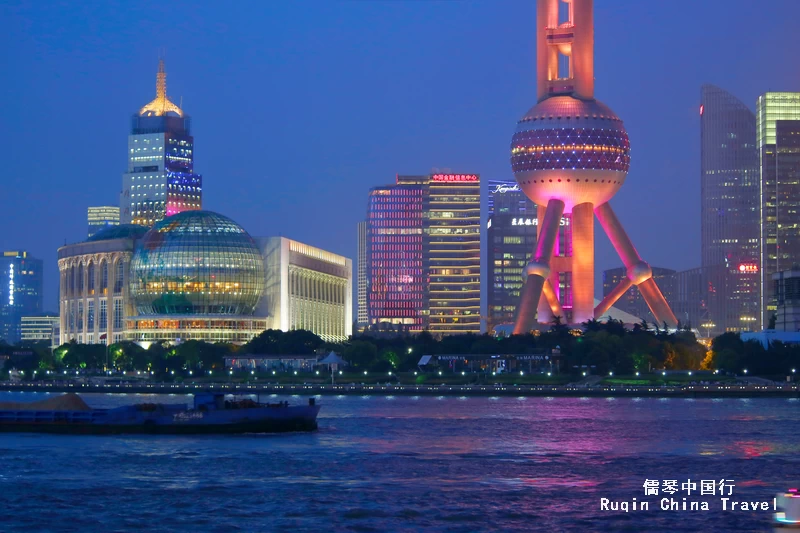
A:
(637, 374)
(745, 371)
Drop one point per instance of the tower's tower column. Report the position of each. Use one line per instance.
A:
(582, 263)
(546, 55)
(582, 59)
(574, 38)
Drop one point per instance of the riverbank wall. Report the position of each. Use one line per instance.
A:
(688, 391)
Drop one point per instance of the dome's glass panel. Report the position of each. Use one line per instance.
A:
(197, 263)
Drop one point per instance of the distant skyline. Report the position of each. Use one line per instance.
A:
(299, 108)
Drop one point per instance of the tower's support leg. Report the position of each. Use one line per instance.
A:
(545, 311)
(612, 297)
(639, 272)
(539, 268)
(582, 263)
(657, 303)
(550, 296)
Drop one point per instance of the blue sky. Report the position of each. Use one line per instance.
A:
(300, 107)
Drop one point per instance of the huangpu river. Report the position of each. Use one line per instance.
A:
(439, 464)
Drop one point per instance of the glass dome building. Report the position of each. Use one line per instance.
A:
(196, 275)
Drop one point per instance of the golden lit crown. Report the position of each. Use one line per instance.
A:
(161, 105)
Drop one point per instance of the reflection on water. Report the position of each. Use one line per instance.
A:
(399, 463)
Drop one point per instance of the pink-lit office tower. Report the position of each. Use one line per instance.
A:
(570, 154)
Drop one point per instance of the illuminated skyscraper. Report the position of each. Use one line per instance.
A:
(730, 211)
(394, 259)
(100, 218)
(511, 235)
(20, 292)
(570, 155)
(510, 239)
(160, 180)
(452, 253)
(778, 139)
(363, 315)
(505, 197)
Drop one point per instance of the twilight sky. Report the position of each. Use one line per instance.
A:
(299, 107)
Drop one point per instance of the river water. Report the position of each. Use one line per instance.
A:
(386, 464)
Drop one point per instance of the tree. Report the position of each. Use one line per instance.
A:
(593, 325)
(773, 319)
(300, 342)
(360, 354)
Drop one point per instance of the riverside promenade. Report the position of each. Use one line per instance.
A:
(574, 390)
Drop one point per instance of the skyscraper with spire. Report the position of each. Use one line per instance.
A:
(160, 180)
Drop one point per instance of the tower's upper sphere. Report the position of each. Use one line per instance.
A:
(572, 150)
(196, 263)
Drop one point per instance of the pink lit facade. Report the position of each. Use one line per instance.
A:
(396, 291)
(570, 154)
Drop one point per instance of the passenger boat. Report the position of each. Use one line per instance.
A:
(211, 413)
(789, 516)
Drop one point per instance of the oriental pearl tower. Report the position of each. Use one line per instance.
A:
(570, 154)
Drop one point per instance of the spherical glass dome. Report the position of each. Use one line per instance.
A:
(565, 133)
(196, 263)
(576, 151)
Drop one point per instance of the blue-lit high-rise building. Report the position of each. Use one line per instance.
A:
(160, 180)
(729, 203)
(511, 237)
(20, 292)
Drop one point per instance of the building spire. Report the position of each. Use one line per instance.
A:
(162, 104)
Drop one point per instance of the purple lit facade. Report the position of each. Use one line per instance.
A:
(395, 275)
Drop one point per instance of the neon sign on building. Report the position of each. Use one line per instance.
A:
(527, 221)
(455, 177)
(502, 189)
(748, 268)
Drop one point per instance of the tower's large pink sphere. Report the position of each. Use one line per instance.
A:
(572, 150)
